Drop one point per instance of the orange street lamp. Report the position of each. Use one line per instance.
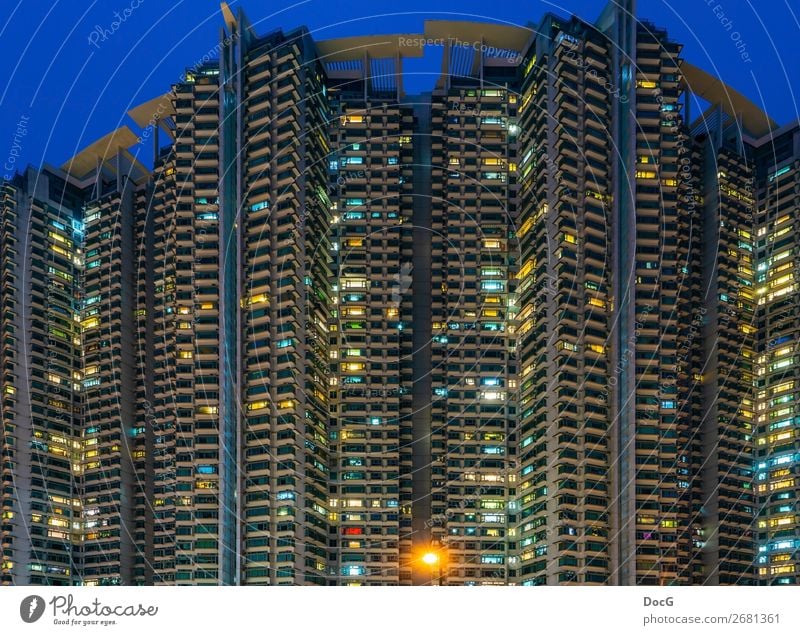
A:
(433, 558)
(430, 558)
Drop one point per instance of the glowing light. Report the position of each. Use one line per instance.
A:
(430, 558)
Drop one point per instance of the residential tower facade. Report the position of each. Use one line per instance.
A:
(531, 327)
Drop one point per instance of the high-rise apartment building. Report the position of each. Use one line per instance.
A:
(776, 291)
(370, 164)
(564, 327)
(534, 326)
(42, 264)
(720, 373)
(473, 366)
(241, 289)
(113, 440)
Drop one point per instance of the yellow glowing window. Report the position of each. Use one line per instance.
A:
(353, 311)
(746, 328)
(644, 83)
(782, 292)
(784, 350)
(257, 299)
(780, 522)
(404, 140)
(787, 385)
(645, 174)
(354, 283)
(355, 242)
(597, 348)
(286, 403)
(526, 269)
(184, 310)
(525, 227)
(492, 161)
(597, 302)
(541, 211)
(258, 405)
(569, 238)
(491, 244)
(207, 410)
(353, 366)
(59, 238)
(781, 280)
(185, 354)
(205, 306)
(90, 323)
(778, 437)
(392, 312)
(205, 485)
(781, 255)
(527, 370)
(491, 313)
(9, 390)
(670, 182)
(184, 325)
(780, 232)
(785, 483)
(669, 523)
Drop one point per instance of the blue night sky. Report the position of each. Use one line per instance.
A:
(73, 92)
